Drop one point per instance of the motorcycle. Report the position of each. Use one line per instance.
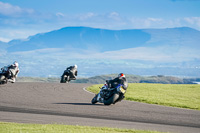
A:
(4, 74)
(65, 78)
(109, 95)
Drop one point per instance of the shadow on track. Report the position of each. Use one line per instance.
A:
(80, 104)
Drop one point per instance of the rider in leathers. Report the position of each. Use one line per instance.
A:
(72, 71)
(121, 79)
(13, 71)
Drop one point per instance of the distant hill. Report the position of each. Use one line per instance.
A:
(82, 38)
(107, 40)
(131, 79)
(182, 36)
(138, 79)
(170, 51)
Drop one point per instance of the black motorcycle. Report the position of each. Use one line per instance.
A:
(4, 74)
(109, 95)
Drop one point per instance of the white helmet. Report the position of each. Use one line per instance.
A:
(75, 66)
(16, 64)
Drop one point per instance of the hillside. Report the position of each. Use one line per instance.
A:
(82, 38)
(131, 79)
(107, 40)
(171, 51)
(138, 79)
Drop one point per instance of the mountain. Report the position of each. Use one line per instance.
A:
(100, 79)
(82, 38)
(170, 51)
(183, 36)
(107, 40)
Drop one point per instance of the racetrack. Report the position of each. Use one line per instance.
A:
(49, 103)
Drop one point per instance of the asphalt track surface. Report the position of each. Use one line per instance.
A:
(70, 104)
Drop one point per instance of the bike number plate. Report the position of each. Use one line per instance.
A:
(121, 89)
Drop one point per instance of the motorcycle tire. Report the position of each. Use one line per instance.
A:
(62, 79)
(111, 100)
(67, 79)
(94, 100)
(2, 79)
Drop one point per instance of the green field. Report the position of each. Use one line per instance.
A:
(55, 128)
(174, 95)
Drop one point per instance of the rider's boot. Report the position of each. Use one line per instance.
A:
(12, 80)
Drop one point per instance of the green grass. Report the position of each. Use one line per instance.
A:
(54, 128)
(174, 95)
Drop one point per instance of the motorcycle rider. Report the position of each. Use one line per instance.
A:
(72, 72)
(13, 71)
(121, 79)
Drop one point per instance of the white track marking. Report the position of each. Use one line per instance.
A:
(87, 91)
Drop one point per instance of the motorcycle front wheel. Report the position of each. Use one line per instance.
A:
(62, 79)
(94, 100)
(2, 79)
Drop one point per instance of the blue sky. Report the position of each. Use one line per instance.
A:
(22, 18)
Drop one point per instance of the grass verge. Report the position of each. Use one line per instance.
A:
(174, 95)
(6, 127)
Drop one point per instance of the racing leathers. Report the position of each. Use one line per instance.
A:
(72, 72)
(115, 82)
(13, 72)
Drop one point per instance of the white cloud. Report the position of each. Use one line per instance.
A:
(162, 54)
(86, 16)
(145, 22)
(193, 20)
(155, 19)
(4, 39)
(7, 9)
(114, 16)
(39, 51)
(156, 54)
(142, 23)
(8, 34)
(59, 14)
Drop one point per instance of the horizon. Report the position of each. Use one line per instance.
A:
(96, 28)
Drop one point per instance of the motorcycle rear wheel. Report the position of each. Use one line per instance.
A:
(111, 100)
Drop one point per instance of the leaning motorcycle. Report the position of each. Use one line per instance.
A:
(4, 74)
(65, 78)
(109, 95)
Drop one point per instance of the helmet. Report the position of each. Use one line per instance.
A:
(121, 75)
(75, 66)
(16, 64)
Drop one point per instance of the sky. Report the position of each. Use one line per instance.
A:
(20, 19)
